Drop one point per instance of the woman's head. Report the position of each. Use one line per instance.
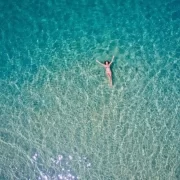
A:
(106, 62)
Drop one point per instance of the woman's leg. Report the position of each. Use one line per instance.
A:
(110, 78)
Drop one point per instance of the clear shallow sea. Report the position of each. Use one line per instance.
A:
(59, 119)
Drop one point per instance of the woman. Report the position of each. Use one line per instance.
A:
(107, 65)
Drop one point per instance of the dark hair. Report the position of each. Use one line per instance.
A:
(106, 61)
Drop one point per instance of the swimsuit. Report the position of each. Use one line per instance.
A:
(108, 70)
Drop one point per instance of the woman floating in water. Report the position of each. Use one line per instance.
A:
(107, 65)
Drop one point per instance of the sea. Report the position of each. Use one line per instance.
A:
(59, 117)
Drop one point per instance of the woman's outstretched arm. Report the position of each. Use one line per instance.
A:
(100, 63)
(111, 60)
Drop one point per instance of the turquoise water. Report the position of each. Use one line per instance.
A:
(59, 119)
